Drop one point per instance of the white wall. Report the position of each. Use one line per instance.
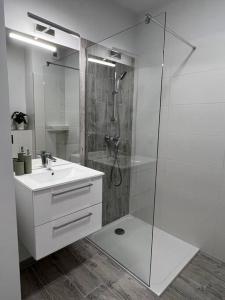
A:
(9, 262)
(94, 20)
(191, 184)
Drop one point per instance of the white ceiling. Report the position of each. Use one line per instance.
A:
(139, 6)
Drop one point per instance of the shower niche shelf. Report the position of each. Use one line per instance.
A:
(57, 127)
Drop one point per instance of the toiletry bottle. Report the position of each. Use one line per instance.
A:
(21, 154)
(27, 162)
(19, 167)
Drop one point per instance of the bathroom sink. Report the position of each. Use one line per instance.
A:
(43, 178)
(56, 175)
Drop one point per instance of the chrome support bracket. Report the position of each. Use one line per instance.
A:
(147, 18)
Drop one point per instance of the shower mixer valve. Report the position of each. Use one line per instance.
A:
(112, 142)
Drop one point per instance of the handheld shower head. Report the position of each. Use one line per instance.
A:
(123, 75)
(116, 91)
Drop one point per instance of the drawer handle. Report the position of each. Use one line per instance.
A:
(76, 189)
(71, 222)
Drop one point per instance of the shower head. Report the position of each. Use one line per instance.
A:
(123, 75)
(115, 92)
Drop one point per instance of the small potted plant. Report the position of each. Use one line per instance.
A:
(20, 120)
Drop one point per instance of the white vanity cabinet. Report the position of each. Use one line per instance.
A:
(54, 217)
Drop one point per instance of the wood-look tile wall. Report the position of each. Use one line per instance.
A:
(99, 109)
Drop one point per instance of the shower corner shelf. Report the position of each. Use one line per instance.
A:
(57, 128)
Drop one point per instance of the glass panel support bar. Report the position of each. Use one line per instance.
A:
(149, 18)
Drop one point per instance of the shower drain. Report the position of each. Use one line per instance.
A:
(119, 231)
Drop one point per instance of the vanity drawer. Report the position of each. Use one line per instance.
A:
(57, 234)
(60, 201)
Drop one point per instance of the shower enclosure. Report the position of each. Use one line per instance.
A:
(124, 77)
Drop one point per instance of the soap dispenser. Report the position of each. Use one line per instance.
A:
(27, 162)
(21, 154)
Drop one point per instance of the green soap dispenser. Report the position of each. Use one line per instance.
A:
(21, 154)
(27, 162)
(19, 167)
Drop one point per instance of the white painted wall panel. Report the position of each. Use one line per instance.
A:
(9, 261)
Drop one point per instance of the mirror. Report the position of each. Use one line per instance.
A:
(44, 96)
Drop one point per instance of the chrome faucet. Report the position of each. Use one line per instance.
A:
(47, 159)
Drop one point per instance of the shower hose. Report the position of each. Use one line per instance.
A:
(113, 169)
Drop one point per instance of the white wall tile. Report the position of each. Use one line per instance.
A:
(199, 149)
(201, 87)
(142, 206)
(186, 200)
(197, 118)
(142, 181)
(208, 56)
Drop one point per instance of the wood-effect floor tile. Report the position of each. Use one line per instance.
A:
(212, 265)
(81, 271)
(77, 272)
(108, 271)
(62, 289)
(196, 282)
(31, 289)
(84, 249)
(103, 293)
(128, 288)
(172, 294)
(56, 285)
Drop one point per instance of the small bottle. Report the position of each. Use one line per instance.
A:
(27, 163)
(19, 168)
(21, 154)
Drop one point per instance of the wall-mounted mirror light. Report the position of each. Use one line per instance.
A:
(32, 41)
(101, 62)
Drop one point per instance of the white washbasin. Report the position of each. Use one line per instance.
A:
(56, 175)
(62, 174)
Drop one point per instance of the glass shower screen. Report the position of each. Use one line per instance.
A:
(123, 93)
